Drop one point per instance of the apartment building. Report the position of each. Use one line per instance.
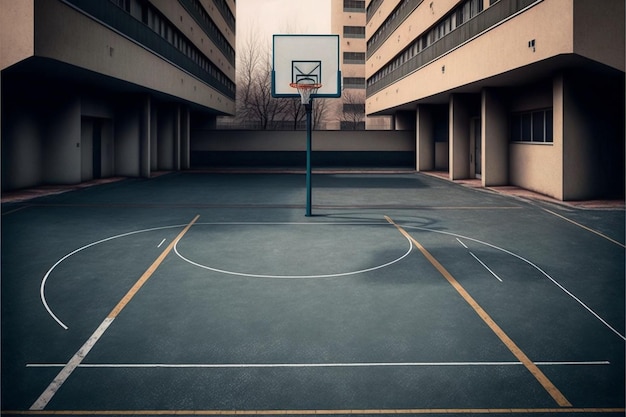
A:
(516, 92)
(94, 89)
(348, 21)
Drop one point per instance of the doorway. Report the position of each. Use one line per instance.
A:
(93, 146)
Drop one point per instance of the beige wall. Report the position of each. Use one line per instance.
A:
(339, 19)
(548, 22)
(190, 28)
(420, 20)
(459, 137)
(599, 31)
(424, 143)
(495, 138)
(539, 167)
(101, 50)
(17, 23)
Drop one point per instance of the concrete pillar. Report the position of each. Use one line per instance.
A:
(144, 139)
(185, 138)
(495, 143)
(126, 143)
(405, 120)
(177, 136)
(459, 126)
(167, 125)
(154, 143)
(593, 136)
(425, 139)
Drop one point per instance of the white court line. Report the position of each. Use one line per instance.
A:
(68, 368)
(42, 288)
(335, 275)
(486, 267)
(311, 365)
(481, 262)
(79, 356)
(544, 273)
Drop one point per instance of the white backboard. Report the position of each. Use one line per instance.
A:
(311, 59)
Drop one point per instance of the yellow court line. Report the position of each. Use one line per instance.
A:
(586, 228)
(597, 410)
(508, 342)
(146, 275)
(79, 356)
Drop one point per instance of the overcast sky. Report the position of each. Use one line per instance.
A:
(268, 17)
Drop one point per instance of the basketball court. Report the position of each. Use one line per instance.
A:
(214, 294)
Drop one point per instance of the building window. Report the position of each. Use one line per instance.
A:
(123, 4)
(352, 125)
(354, 82)
(534, 126)
(354, 57)
(465, 11)
(354, 32)
(357, 6)
(354, 108)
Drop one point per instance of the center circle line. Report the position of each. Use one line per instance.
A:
(319, 276)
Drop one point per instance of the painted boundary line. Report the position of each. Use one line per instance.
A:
(307, 365)
(586, 228)
(508, 342)
(79, 356)
(442, 411)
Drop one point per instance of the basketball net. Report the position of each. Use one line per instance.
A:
(306, 90)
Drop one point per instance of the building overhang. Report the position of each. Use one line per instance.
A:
(37, 75)
(533, 73)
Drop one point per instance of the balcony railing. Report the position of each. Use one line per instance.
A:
(116, 18)
(488, 18)
(404, 9)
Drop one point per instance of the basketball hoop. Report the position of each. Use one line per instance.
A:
(306, 90)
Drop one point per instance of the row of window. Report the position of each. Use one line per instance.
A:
(534, 126)
(354, 108)
(401, 11)
(140, 8)
(164, 28)
(372, 7)
(211, 28)
(354, 57)
(461, 14)
(354, 32)
(354, 82)
(357, 6)
(226, 13)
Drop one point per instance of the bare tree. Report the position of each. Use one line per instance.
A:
(254, 97)
(255, 104)
(295, 111)
(320, 106)
(353, 112)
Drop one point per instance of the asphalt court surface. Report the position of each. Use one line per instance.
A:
(198, 293)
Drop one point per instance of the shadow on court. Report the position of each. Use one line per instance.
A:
(213, 294)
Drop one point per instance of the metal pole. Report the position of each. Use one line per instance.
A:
(308, 157)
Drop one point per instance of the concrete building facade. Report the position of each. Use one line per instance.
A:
(516, 92)
(348, 21)
(93, 89)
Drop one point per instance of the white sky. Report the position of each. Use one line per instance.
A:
(268, 17)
